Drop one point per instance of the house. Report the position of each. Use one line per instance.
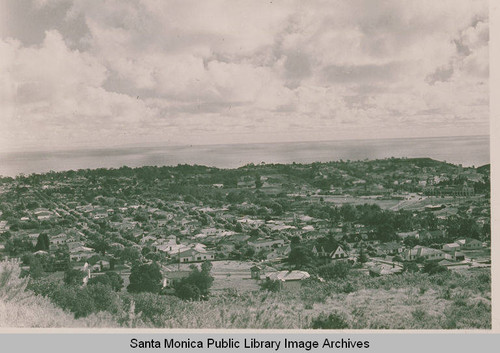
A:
(164, 245)
(81, 253)
(256, 271)
(59, 239)
(319, 252)
(391, 248)
(423, 252)
(451, 247)
(288, 279)
(404, 235)
(3, 227)
(339, 253)
(279, 253)
(458, 256)
(266, 244)
(171, 277)
(43, 214)
(384, 269)
(33, 238)
(469, 244)
(193, 255)
(148, 239)
(172, 238)
(100, 213)
(431, 234)
(226, 247)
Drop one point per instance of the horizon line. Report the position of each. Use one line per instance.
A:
(160, 145)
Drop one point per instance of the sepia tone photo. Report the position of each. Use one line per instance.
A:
(245, 164)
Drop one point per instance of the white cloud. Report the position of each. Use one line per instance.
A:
(166, 70)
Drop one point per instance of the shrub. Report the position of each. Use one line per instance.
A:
(151, 307)
(11, 286)
(334, 320)
(419, 314)
(339, 269)
(201, 280)
(433, 268)
(73, 277)
(187, 291)
(112, 279)
(348, 288)
(272, 286)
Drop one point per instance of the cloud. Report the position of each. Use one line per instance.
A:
(94, 72)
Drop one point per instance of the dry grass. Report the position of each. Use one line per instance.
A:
(410, 301)
(21, 308)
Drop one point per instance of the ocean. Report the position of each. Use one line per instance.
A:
(465, 150)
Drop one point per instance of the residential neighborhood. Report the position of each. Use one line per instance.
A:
(259, 227)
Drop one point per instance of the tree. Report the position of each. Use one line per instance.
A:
(73, 277)
(112, 279)
(362, 258)
(258, 181)
(36, 268)
(187, 291)
(277, 208)
(197, 284)
(42, 242)
(410, 267)
(299, 257)
(145, 278)
(100, 244)
(62, 258)
(130, 254)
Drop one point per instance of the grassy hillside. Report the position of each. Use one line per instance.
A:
(410, 301)
(447, 300)
(21, 308)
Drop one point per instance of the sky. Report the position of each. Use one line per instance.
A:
(107, 73)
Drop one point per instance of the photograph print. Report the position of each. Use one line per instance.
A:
(245, 164)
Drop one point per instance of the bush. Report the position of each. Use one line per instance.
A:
(433, 268)
(197, 284)
(339, 269)
(74, 277)
(272, 286)
(335, 320)
(150, 307)
(112, 279)
(73, 299)
(410, 267)
(187, 291)
(12, 287)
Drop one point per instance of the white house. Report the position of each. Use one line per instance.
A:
(193, 255)
(339, 253)
(425, 253)
(266, 244)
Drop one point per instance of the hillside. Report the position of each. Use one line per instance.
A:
(21, 308)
